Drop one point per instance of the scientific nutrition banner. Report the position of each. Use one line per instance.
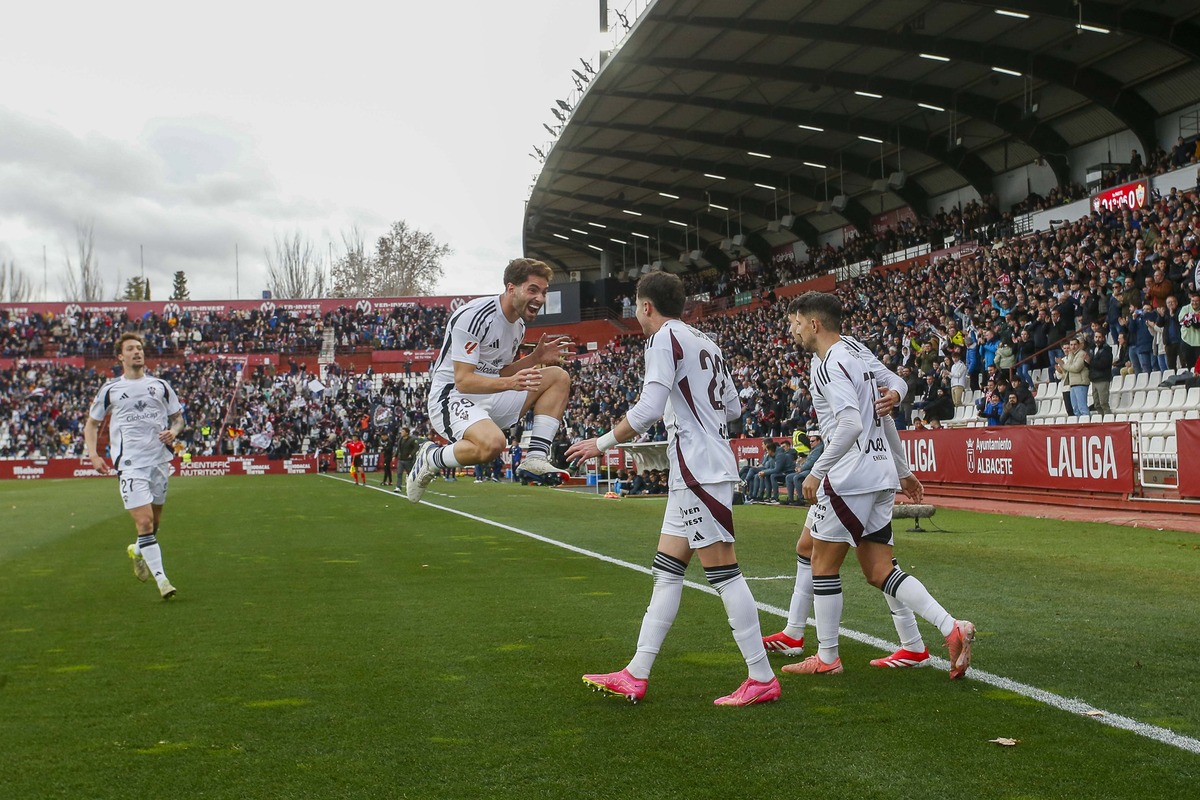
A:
(1187, 440)
(32, 470)
(1089, 457)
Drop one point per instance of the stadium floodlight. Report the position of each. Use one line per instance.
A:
(722, 208)
(714, 177)
(931, 107)
(631, 213)
(597, 225)
(871, 95)
(668, 195)
(1014, 14)
(640, 235)
(597, 249)
(871, 139)
(811, 128)
(1004, 71)
(618, 241)
(765, 186)
(1083, 26)
(933, 57)
(581, 233)
(677, 222)
(560, 236)
(757, 155)
(814, 165)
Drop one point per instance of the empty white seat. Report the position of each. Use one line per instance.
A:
(1141, 380)
(1122, 416)
(1193, 398)
(1192, 413)
(1156, 377)
(1161, 398)
(1170, 444)
(1109, 418)
(1178, 398)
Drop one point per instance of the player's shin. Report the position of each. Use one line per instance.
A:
(912, 593)
(827, 607)
(802, 599)
(743, 617)
(668, 574)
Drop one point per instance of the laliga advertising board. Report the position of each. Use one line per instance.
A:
(1089, 457)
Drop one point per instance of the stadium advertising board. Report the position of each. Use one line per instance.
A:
(1127, 195)
(31, 470)
(1088, 457)
(1187, 440)
(176, 308)
(64, 361)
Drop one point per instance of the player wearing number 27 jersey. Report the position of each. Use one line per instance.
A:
(700, 401)
(688, 386)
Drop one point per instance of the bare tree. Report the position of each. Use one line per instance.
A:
(407, 262)
(83, 282)
(353, 271)
(15, 286)
(294, 269)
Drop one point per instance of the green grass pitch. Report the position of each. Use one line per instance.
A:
(334, 641)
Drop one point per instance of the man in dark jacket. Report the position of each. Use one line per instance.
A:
(1100, 371)
(406, 453)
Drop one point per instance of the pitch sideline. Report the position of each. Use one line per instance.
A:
(1069, 704)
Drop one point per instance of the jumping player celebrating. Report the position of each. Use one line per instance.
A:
(479, 388)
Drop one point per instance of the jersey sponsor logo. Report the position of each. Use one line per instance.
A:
(470, 346)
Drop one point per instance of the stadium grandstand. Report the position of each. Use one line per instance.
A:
(983, 187)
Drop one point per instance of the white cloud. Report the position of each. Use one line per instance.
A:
(187, 130)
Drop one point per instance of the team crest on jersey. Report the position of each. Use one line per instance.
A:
(151, 390)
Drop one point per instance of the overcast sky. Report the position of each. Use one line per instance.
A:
(187, 129)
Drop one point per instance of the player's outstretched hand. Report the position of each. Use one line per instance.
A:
(582, 451)
(552, 349)
(527, 380)
(912, 489)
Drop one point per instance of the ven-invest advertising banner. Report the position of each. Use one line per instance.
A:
(1089, 457)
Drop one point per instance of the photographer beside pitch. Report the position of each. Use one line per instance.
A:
(146, 418)
(688, 386)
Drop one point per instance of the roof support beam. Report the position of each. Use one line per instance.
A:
(1004, 116)
(933, 145)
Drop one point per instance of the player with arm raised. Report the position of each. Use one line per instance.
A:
(852, 487)
(479, 388)
(145, 419)
(790, 641)
(688, 386)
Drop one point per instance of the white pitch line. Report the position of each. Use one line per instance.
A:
(1069, 704)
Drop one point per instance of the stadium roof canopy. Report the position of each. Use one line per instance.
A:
(780, 120)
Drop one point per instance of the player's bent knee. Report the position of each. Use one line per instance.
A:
(555, 375)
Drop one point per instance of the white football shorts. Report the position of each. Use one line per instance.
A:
(851, 518)
(452, 412)
(701, 514)
(144, 486)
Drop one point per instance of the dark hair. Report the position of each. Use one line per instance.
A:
(824, 307)
(665, 291)
(127, 337)
(519, 270)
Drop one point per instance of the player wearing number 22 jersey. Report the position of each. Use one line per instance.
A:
(688, 386)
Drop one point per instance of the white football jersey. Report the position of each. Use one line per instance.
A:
(884, 377)
(702, 395)
(478, 334)
(140, 412)
(844, 379)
